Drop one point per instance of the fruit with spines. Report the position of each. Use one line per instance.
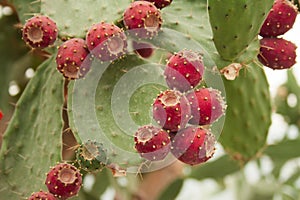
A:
(184, 70)
(280, 19)
(73, 59)
(39, 32)
(161, 3)
(277, 53)
(152, 143)
(143, 19)
(41, 195)
(106, 42)
(64, 180)
(207, 106)
(91, 156)
(145, 50)
(193, 145)
(171, 110)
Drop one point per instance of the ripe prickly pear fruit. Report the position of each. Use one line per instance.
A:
(207, 105)
(193, 145)
(73, 59)
(91, 156)
(143, 19)
(41, 195)
(184, 70)
(161, 3)
(277, 53)
(39, 32)
(64, 180)
(152, 143)
(171, 110)
(1, 115)
(145, 50)
(280, 19)
(106, 42)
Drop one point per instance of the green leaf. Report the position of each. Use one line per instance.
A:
(172, 190)
(282, 152)
(32, 142)
(217, 169)
(101, 183)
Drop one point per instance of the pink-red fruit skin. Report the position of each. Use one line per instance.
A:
(143, 19)
(152, 143)
(193, 145)
(64, 180)
(73, 59)
(207, 105)
(106, 42)
(41, 195)
(277, 53)
(1, 115)
(145, 50)
(280, 19)
(39, 32)
(171, 110)
(184, 70)
(161, 3)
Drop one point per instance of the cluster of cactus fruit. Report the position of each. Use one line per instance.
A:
(184, 113)
(278, 53)
(104, 41)
(174, 108)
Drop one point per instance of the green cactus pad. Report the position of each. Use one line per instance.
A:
(95, 113)
(26, 8)
(75, 17)
(248, 114)
(235, 24)
(91, 156)
(32, 141)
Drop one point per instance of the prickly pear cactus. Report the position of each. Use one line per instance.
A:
(32, 141)
(115, 98)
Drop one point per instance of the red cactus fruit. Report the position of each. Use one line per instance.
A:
(207, 105)
(41, 195)
(143, 19)
(106, 41)
(64, 180)
(152, 142)
(39, 32)
(193, 145)
(277, 53)
(73, 59)
(1, 115)
(145, 50)
(184, 70)
(171, 110)
(161, 3)
(280, 19)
